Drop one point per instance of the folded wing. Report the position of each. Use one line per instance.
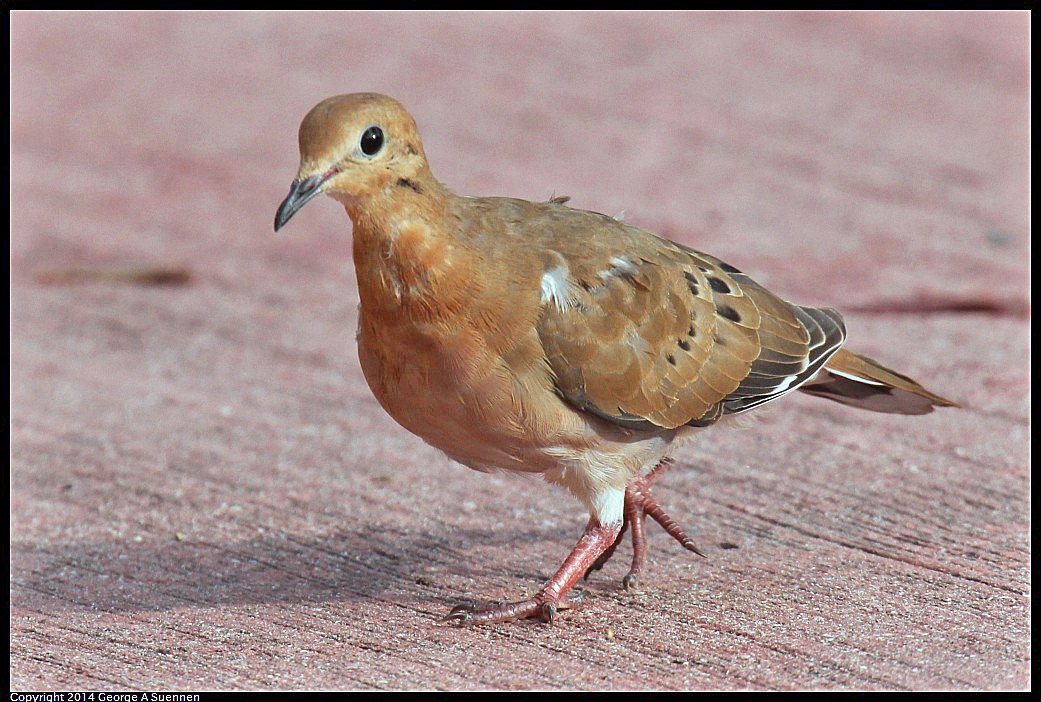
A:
(661, 336)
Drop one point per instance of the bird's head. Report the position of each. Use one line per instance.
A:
(354, 147)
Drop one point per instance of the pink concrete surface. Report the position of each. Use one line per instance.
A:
(204, 494)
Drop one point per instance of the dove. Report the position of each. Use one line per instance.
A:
(532, 337)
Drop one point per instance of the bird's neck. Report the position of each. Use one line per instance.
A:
(408, 260)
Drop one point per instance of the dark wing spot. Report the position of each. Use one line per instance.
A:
(671, 359)
(728, 268)
(692, 331)
(684, 344)
(692, 283)
(718, 285)
(728, 312)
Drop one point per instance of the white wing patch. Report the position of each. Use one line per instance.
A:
(619, 266)
(556, 288)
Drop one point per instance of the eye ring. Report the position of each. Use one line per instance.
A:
(371, 141)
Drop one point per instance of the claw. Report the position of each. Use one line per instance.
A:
(548, 612)
(691, 546)
(460, 616)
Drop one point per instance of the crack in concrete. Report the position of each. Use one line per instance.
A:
(865, 549)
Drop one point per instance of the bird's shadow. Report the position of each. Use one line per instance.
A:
(344, 565)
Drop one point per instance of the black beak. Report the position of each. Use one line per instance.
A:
(299, 194)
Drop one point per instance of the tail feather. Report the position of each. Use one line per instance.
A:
(859, 381)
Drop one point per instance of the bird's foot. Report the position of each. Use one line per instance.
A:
(556, 594)
(640, 503)
(501, 612)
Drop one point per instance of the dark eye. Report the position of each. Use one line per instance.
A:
(372, 141)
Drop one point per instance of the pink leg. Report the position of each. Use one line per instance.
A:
(630, 509)
(635, 516)
(639, 503)
(606, 555)
(555, 594)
